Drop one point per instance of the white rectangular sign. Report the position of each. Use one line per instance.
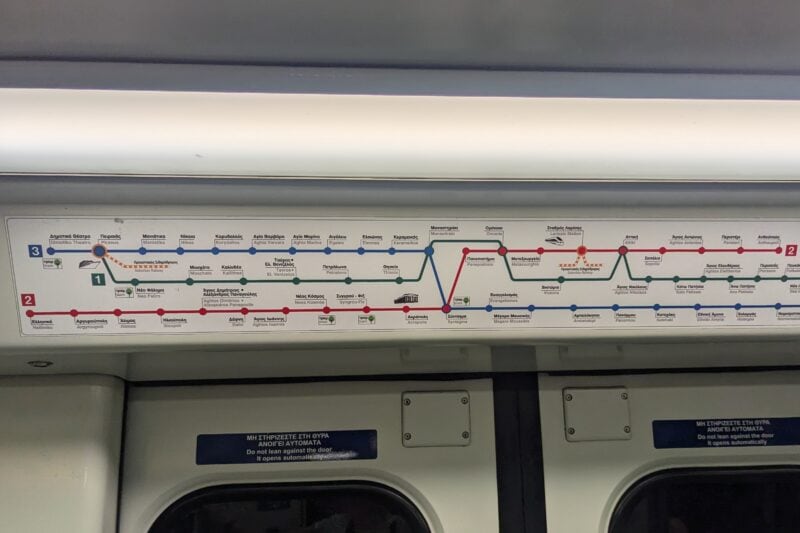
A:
(158, 275)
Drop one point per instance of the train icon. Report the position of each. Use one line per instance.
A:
(407, 298)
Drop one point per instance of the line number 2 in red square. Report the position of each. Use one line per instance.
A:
(28, 299)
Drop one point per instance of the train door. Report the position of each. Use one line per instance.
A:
(672, 453)
(329, 457)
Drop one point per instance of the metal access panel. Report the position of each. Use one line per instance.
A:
(677, 421)
(302, 433)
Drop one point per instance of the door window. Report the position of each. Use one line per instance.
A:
(764, 500)
(294, 508)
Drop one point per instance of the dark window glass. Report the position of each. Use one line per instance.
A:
(292, 508)
(732, 500)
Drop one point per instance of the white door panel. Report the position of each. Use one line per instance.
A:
(591, 476)
(454, 487)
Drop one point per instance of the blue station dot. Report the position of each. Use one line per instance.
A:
(573, 307)
(615, 307)
(429, 251)
(51, 251)
(142, 250)
(251, 250)
(292, 250)
(531, 308)
(697, 307)
(778, 306)
(489, 308)
(180, 251)
(215, 250)
(656, 307)
(361, 250)
(98, 251)
(328, 250)
(737, 306)
(391, 251)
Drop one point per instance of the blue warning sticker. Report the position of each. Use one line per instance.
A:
(726, 432)
(291, 447)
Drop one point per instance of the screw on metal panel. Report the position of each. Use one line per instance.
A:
(406, 402)
(627, 429)
(465, 434)
(624, 395)
(40, 364)
(465, 400)
(407, 436)
(571, 431)
(568, 397)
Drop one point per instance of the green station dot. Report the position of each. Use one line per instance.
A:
(703, 279)
(243, 281)
(676, 279)
(398, 280)
(296, 281)
(134, 282)
(648, 279)
(348, 280)
(561, 279)
(784, 278)
(730, 279)
(189, 281)
(757, 279)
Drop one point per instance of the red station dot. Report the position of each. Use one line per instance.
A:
(540, 250)
(160, 312)
(244, 310)
(502, 250)
(623, 250)
(701, 250)
(117, 312)
(29, 313)
(203, 311)
(285, 310)
(465, 251)
(581, 250)
(446, 308)
(73, 312)
(326, 309)
(406, 309)
(778, 250)
(366, 309)
(740, 250)
(662, 250)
